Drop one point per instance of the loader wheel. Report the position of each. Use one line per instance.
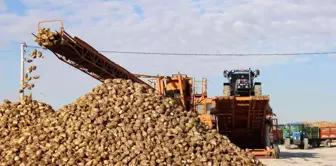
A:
(276, 153)
(257, 90)
(305, 143)
(227, 90)
(287, 143)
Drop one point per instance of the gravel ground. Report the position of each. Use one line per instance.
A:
(318, 156)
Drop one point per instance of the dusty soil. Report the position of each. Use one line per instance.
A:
(311, 157)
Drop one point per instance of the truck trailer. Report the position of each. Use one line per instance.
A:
(304, 135)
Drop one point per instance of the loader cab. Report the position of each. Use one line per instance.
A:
(240, 81)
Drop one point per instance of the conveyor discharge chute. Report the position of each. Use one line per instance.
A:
(84, 57)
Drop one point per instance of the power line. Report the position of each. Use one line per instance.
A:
(7, 50)
(38, 47)
(209, 54)
(13, 50)
(223, 54)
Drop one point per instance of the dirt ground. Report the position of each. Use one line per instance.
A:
(313, 156)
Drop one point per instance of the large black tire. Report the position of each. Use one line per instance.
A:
(257, 90)
(314, 143)
(327, 143)
(227, 90)
(305, 143)
(281, 141)
(318, 144)
(276, 153)
(287, 143)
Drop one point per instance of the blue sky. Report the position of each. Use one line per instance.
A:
(298, 91)
(301, 88)
(15, 6)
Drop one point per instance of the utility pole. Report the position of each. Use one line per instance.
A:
(23, 45)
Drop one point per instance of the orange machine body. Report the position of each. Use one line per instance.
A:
(246, 121)
(179, 86)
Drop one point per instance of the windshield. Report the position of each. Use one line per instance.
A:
(295, 128)
(240, 76)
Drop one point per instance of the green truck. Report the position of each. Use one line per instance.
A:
(301, 135)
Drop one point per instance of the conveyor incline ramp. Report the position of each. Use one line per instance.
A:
(85, 58)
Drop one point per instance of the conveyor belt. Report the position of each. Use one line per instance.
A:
(84, 57)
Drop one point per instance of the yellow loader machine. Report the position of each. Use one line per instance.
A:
(243, 113)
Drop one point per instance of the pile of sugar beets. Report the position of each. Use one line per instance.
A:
(320, 124)
(118, 123)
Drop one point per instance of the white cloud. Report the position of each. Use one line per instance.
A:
(201, 26)
(302, 59)
(2, 5)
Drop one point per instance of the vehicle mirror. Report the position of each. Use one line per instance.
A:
(225, 73)
(257, 72)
